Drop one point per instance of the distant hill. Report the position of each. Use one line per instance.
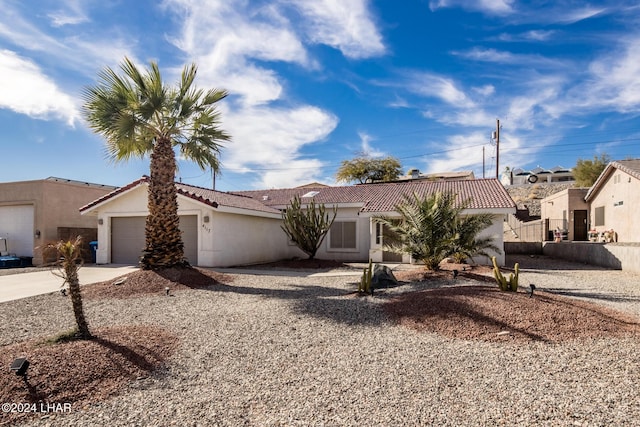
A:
(529, 195)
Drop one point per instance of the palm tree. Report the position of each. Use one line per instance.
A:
(138, 115)
(431, 229)
(467, 244)
(70, 259)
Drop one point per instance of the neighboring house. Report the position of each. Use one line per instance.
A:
(413, 174)
(538, 175)
(225, 229)
(614, 200)
(34, 213)
(567, 211)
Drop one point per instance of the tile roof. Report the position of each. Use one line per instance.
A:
(204, 195)
(632, 167)
(483, 194)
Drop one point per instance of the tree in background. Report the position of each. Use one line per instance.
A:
(431, 229)
(307, 227)
(139, 115)
(368, 169)
(586, 172)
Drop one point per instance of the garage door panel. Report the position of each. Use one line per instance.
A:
(128, 238)
(16, 225)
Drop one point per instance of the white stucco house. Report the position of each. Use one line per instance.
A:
(223, 229)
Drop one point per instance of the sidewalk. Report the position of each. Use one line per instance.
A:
(22, 285)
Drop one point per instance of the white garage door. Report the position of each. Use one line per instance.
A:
(127, 238)
(16, 225)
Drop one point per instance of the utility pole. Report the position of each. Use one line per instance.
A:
(497, 148)
(483, 166)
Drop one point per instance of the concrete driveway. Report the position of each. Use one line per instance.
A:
(22, 285)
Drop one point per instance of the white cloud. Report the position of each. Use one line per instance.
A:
(269, 140)
(440, 87)
(344, 25)
(503, 57)
(463, 152)
(486, 90)
(614, 79)
(366, 148)
(243, 36)
(489, 7)
(71, 13)
(26, 90)
(73, 52)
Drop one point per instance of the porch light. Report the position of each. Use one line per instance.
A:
(206, 218)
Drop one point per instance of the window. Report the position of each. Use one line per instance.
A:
(342, 235)
(599, 213)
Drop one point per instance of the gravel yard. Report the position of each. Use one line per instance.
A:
(284, 350)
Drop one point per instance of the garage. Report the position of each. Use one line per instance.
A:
(127, 238)
(16, 225)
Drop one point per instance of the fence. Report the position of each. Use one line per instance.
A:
(530, 231)
(534, 231)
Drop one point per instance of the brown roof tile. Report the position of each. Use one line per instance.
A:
(483, 194)
(204, 195)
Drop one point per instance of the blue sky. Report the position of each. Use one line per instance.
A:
(315, 82)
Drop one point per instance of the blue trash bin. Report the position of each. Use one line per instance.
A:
(94, 248)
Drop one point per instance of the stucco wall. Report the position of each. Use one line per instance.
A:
(361, 252)
(618, 256)
(224, 239)
(620, 198)
(561, 206)
(234, 239)
(56, 204)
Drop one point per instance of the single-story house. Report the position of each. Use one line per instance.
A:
(223, 229)
(34, 213)
(568, 211)
(614, 199)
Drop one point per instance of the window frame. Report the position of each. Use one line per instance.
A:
(599, 216)
(355, 236)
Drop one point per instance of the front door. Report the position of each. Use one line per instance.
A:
(580, 225)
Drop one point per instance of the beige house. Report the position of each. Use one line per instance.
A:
(239, 228)
(614, 200)
(568, 212)
(33, 213)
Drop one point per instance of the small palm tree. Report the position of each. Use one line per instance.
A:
(432, 228)
(467, 243)
(138, 115)
(69, 255)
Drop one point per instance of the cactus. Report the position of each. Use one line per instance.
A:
(505, 284)
(365, 280)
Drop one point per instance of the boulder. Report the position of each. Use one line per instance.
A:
(383, 277)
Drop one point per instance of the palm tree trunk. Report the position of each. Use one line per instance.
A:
(71, 273)
(163, 247)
